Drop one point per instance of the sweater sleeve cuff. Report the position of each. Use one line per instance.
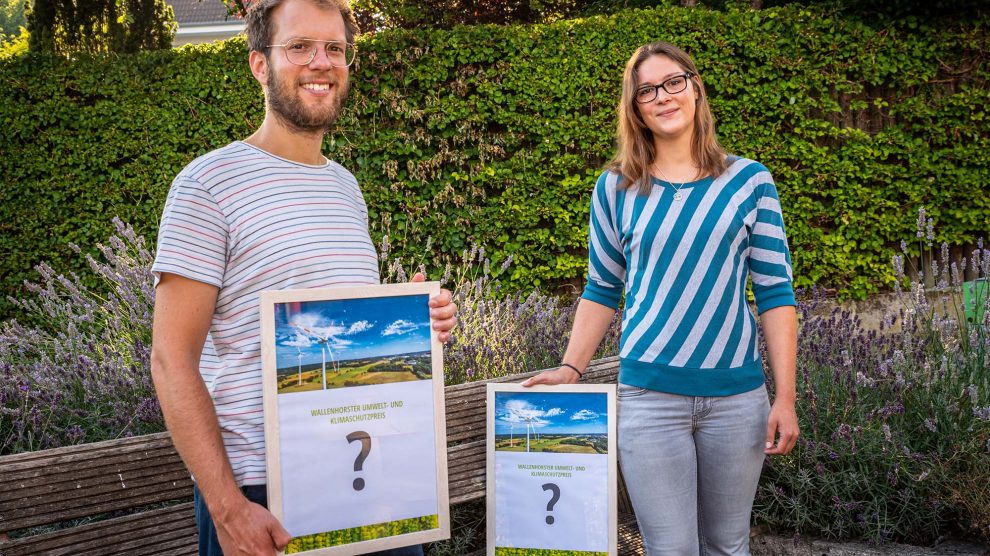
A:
(774, 296)
(609, 297)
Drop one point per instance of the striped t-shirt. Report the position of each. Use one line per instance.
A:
(246, 221)
(683, 266)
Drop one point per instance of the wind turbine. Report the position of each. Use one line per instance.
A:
(529, 425)
(528, 418)
(324, 341)
(299, 357)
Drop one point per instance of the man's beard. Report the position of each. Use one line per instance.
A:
(288, 108)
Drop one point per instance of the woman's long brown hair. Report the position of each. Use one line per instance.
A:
(635, 151)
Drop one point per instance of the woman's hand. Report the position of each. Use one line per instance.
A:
(560, 375)
(780, 331)
(782, 427)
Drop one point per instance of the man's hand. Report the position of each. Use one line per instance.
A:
(443, 312)
(249, 529)
(782, 426)
(183, 312)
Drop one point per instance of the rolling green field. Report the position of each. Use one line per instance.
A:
(357, 372)
(556, 443)
(365, 533)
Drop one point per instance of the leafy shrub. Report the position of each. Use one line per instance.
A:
(494, 134)
(15, 45)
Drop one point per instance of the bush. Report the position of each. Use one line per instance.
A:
(494, 134)
(500, 333)
(83, 375)
(895, 423)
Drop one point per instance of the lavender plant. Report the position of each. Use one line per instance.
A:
(81, 374)
(895, 421)
(77, 368)
(499, 333)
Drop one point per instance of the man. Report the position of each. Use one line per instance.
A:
(269, 212)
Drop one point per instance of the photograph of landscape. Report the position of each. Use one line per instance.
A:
(564, 422)
(321, 345)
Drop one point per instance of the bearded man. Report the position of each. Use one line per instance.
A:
(269, 212)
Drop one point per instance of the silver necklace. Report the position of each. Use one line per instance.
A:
(677, 187)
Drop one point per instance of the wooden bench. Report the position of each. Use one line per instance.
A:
(72, 500)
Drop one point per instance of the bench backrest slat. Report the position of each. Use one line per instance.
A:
(170, 530)
(64, 479)
(40, 488)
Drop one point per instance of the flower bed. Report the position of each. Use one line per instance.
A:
(895, 419)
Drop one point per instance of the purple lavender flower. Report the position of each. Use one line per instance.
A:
(88, 358)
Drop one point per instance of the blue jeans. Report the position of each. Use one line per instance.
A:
(210, 546)
(692, 465)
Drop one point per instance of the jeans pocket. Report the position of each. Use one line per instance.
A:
(627, 391)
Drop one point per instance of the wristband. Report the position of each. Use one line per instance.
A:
(573, 368)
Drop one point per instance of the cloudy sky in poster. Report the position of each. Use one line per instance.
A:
(351, 328)
(551, 413)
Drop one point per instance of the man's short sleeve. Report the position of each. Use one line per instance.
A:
(192, 236)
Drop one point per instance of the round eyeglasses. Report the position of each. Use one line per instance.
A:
(672, 85)
(301, 52)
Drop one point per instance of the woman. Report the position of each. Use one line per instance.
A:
(678, 226)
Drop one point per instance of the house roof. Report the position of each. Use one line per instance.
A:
(200, 12)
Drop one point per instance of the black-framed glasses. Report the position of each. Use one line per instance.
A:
(672, 85)
(301, 52)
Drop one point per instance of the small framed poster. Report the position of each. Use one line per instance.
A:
(551, 470)
(354, 417)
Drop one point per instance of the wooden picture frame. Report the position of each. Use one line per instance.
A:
(549, 484)
(354, 418)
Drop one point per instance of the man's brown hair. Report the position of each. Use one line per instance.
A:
(260, 28)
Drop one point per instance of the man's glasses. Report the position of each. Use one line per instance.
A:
(301, 52)
(673, 85)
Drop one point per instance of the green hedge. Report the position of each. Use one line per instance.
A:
(494, 135)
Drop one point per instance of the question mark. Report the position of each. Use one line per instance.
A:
(365, 439)
(553, 499)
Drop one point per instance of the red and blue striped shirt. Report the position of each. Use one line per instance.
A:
(247, 221)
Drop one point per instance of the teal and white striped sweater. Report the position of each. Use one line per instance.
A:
(683, 265)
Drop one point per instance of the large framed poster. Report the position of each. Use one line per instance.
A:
(551, 470)
(354, 417)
